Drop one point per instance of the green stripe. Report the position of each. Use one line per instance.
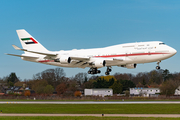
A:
(25, 39)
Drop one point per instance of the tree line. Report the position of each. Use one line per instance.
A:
(50, 80)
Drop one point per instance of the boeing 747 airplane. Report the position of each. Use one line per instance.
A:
(123, 55)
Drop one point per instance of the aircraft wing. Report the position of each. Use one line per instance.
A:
(22, 56)
(42, 53)
(81, 62)
(84, 61)
(80, 58)
(113, 61)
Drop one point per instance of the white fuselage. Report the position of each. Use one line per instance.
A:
(122, 54)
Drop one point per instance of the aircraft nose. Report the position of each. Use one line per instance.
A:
(173, 51)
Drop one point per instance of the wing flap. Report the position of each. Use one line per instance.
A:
(80, 64)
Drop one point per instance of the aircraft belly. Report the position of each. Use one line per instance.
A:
(65, 65)
(149, 58)
(145, 59)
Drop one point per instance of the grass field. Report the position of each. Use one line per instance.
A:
(83, 118)
(92, 108)
(89, 109)
(93, 100)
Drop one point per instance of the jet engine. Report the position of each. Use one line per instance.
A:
(129, 66)
(63, 60)
(99, 63)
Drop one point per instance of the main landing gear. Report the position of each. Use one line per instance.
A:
(94, 71)
(108, 70)
(158, 67)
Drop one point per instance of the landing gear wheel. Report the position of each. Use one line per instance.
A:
(93, 71)
(158, 67)
(109, 70)
(107, 73)
(98, 71)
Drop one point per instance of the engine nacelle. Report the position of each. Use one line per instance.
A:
(99, 63)
(63, 60)
(129, 66)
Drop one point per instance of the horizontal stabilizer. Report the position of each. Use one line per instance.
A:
(42, 53)
(22, 56)
(16, 47)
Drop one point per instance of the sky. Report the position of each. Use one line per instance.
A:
(69, 24)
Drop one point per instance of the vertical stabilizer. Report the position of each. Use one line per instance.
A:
(28, 42)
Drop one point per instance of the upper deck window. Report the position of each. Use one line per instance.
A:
(161, 43)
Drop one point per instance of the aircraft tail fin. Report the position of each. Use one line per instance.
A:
(29, 42)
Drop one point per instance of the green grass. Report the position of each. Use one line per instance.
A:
(136, 99)
(83, 118)
(92, 108)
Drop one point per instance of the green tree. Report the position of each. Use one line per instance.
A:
(48, 89)
(117, 87)
(39, 86)
(89, 84)
(155, 77)
(101, 83)
(12, 79)
(144, 82)
(166, 75)
(127, 84)
(104, 82)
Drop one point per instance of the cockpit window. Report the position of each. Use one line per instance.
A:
(161, 43)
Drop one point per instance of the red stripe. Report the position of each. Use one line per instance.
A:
(136, 54)
(34, 40)
(122, 55)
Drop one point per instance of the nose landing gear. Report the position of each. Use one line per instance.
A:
(158, 67)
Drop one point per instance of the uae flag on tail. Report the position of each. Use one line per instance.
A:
(29, 40)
